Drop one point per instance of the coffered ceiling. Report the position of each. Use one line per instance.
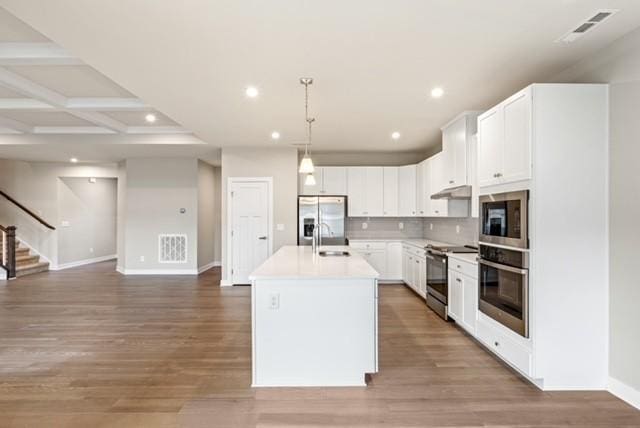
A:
(374, 62)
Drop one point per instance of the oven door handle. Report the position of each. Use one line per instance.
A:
(503, 267)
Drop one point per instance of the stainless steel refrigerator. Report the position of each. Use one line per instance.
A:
(328, 213)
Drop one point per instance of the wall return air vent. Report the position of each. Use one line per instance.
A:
(588, 25)
(172, 248)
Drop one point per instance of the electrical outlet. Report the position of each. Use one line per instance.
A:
(457, 228)
(401, 225)
(91, 250)
(365, 225)
(65, 223)
(430, 226)
(142, 258)
(274, 301)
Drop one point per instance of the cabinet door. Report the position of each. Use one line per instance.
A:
(390, 191)
(422, 276)
(490, 146)
(437, 207)
(334, 181)
(470, 303)
(422, 189)
(454, 149)
(517, 138)
(405, 266)
(407, 191)
(356, 191)
(473, 176)
(394, 261)
(374, 192)
(303, 189)
(455, 296)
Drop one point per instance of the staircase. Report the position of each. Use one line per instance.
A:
(27, 263)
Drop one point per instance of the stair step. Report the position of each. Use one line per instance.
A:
(26, 259)
(19, 251)
(32, 268)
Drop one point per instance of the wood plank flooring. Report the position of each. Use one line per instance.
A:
(88, 347)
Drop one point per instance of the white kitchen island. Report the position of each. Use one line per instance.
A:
(314, 319)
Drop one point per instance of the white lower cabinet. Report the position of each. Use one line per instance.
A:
(414, 269)
(504, 346)
(463, 294)
(384, 256)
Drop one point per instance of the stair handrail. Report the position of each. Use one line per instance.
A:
(8, 260)
(27, 210)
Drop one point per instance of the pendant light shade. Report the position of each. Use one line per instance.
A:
(306, 165)
(310, 180)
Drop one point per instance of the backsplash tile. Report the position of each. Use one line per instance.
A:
(381, 227)
(444, 229)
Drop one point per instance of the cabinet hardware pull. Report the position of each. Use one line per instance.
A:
(496, 343)
(458, 279)
(459, 267)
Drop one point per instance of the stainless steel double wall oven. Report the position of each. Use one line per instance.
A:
(504, 259)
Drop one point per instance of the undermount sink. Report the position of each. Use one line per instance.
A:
(334, 254)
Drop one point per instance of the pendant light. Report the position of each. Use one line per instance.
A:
(306, 164)
(310, 180)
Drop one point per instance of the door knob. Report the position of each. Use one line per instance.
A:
(263, 238)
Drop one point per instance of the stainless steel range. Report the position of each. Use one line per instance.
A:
(437, 275)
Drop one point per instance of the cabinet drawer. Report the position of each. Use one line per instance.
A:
(368, 245)
(510, 351)
(463, 267)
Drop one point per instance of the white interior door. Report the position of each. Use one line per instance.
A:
(250, 228)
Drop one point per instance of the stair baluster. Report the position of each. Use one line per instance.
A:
(9, 250)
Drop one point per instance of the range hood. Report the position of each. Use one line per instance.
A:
(458, 192)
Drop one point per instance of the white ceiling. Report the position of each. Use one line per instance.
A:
(374, 61)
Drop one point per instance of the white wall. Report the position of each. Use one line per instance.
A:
(156, 190)
(619, 65)
(282, 165)
(89, 208)
(207, 214)
(36, 185)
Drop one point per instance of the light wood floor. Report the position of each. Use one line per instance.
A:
(88, 347)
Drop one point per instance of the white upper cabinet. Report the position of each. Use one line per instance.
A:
(407, 191)
(504, 141)
(334, 181)
(437, 207)
(456, 136)
(517, 138)
(421, 189)
(365, 191)
(330, 180)
(390, 191)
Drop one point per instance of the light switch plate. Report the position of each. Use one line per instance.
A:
(457, 228)
(65, 223)
(280, 227)
(401, 225)
(365, 225)
(430, 226)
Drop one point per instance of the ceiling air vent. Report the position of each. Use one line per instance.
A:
(586, 26)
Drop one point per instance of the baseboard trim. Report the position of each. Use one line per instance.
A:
(624, 392)
(159, 271)
(209, 266)
(226, 283)
(120, 269)
(3, 274)
(83, 262)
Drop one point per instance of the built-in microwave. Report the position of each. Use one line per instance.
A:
(504, 219)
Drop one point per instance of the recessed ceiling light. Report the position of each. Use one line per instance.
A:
(275, 135)
(251, 91)
(73, 160)
(395, 135)
(150, 118)
(437, 92)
